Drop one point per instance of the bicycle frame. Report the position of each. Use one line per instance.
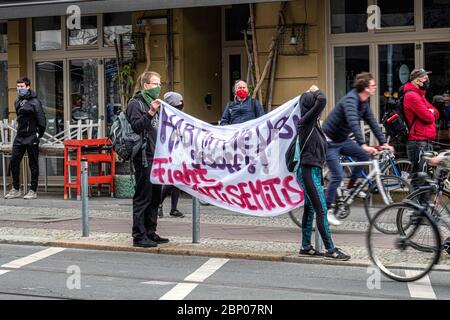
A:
(375, 172)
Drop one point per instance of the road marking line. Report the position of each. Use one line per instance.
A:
(181, 290)
(19, 263)
(159, 283)
(421, 288)
(3, 272)
(206, 270)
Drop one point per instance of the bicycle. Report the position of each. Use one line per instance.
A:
(415, 237)
(385, 185)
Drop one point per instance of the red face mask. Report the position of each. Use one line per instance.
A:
(242, 94)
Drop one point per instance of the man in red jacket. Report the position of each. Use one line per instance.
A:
(421, 117)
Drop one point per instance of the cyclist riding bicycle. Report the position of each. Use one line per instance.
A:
(343, 120)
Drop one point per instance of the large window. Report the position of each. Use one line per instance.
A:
(436, 13)
(396, 61)
(3, 89)
(3, 38)
(437, 60)
(348, 16)
(46, 33)
(112, 96)
(84, 90)
(87, 35)
(115, 24)
(236, 20)
(348, 62)
(396, 13)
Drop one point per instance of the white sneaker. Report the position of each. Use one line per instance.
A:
(332, 218)
(13, 194)
(30, 195)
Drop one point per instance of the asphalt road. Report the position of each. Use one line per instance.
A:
(32, 272)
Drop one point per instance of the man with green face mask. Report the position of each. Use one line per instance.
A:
(142, 114)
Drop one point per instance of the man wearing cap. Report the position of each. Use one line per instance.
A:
(421, 117)
(175, 100)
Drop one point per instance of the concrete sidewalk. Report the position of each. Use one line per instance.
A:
(50, 220)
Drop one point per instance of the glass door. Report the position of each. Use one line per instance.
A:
(83, 94)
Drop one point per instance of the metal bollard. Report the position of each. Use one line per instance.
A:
(84, 197)
(318, 239)
(195, 220)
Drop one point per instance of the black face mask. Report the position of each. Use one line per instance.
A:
(425, 85)
(179, 107)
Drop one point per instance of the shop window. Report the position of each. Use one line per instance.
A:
(3, 89)
(3, 38)
(46, 33)
(396, 13)
(396, 61)
(348, 16)
(436, 13)
(348, 62)
(112, 90)
(84, 90)
(236, 20)
(87, 35)
(115, 24)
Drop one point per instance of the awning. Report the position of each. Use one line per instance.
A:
(39, 8)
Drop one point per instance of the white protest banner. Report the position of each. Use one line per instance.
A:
(237, 167)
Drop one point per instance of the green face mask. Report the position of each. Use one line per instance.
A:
(151, 94)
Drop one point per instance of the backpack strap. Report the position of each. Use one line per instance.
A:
(415, 117)
(253, 101)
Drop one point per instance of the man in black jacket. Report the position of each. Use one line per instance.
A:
(31, 127)
(143, 117)
(343, 120)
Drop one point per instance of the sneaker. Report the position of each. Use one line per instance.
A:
(145, 243)
(160, 211)
(156, 238)
(311, 252)
(30, 195)
(13, 194)
(176, 213)
(361, 194)
(337, 254)
(332, 218)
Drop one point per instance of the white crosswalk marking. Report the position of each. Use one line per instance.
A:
(19, 263)
(3, 272)
(421, 288)
(181, 290)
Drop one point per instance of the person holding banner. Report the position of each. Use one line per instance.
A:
(142, 113)
(243, 108)
(312, 157)
(175, 100)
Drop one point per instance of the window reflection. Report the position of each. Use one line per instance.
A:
(46, 33)
(87, 35)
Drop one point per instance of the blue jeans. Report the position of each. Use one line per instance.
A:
(334, 150)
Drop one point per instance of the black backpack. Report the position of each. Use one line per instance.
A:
(394, 119)
(125, 142)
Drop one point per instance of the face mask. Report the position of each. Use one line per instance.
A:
(425, 85)
(179, 107)
(241, 94)
(22, 91)
(151, 94)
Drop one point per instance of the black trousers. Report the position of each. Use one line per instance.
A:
(146, 201)
(175, 195)
(21, 145)
(415, 149)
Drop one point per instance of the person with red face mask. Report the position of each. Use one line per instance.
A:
(243, 107)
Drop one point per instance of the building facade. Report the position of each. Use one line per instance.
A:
(198, 47)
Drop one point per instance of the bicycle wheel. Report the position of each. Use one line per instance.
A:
(403, 168)
(441, 202)
(297, 215)
(395, 188)
(398, 256)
